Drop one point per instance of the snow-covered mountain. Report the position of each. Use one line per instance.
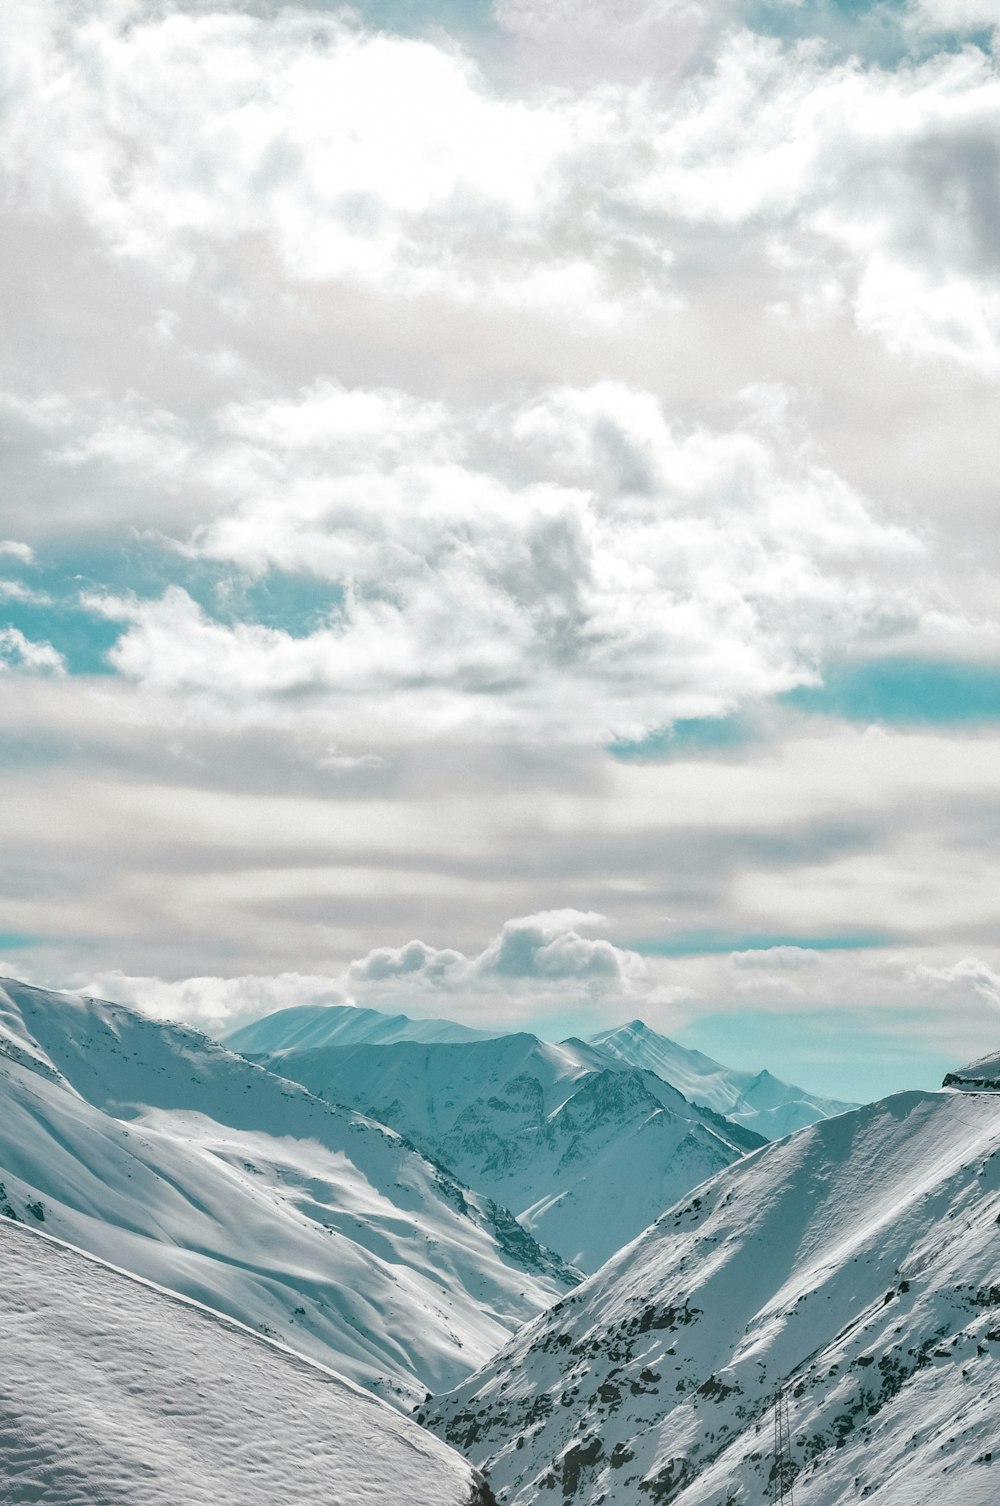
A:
(586, 1152)
(982, 1076)
(755, 1099)
(115, 1392)
(855, 1265)
(307, 1026)
(160, 1151)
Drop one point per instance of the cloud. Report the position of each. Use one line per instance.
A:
(19, 653)
(397, 164)
(969, 974)
(213, 1004)
(578, 566)
(543, 955)
(954, 15)
(14, 550)
(414, 418)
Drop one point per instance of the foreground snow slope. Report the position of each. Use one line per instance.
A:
(586, 1154)
(113, 1393)
(159, 1151)
(755, 1099)
(855, 1264)
(307, 1026)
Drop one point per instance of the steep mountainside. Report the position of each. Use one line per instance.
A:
(586, 1154)
(308, 1026)
(114, 1392)
(757, 1100)
(856, 1265)
(156, 1149)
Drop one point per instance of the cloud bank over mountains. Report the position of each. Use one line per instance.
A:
(487, 461)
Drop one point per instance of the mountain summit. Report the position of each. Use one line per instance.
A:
(757, 1100)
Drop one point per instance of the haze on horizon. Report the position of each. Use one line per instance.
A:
(498, 517)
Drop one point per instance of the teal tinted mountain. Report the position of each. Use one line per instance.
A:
(852, 1267)
(156, 1149)
(584, 1149)
(307, 1026)
(757, 1100)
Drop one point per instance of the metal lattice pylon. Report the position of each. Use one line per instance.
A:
(782, 1473)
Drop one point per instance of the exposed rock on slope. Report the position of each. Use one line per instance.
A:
(156, 1149)
(114, 1392)
(982, 1076)
(856, 1265)
(584, 1152)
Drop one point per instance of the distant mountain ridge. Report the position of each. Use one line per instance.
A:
(852, 1267)
(758, 1100)
(585, 1150)
(305, 1027)
(158, 1150)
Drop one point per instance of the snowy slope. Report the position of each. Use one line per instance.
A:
(982, 1076)
(758, 1100)
(307, 1026)
(156, 1149)
(586, 1154)
(856, 1264)
(113, 1393)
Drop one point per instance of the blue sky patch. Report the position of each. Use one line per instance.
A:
(905, 691)
(807, 1047)
(295, 604)
(687, 738)
(711, 943)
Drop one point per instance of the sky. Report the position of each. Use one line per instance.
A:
(497, 516)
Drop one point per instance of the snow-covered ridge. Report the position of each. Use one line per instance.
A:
(158, 1150)
(113, 1391)
(305, 1027)
(757, 1100)
(982, 1076)
(585, 1150)
(855, 1265)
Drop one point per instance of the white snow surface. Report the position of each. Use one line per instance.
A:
(982, 1076)
(585, 1151)
(114, 1393)
(307, 1026)
(855, 1264)
(157, 1150)
(757, 1100)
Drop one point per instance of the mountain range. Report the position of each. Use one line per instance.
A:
(848, 1275)
(153, 1147)
(583, 1149)
(204, 1258)
(757, 1100)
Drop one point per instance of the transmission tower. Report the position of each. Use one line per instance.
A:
(782, 1471)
